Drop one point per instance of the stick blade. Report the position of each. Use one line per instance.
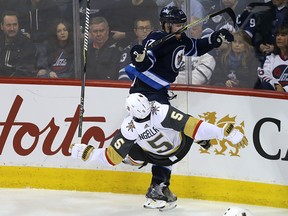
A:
(229, 11)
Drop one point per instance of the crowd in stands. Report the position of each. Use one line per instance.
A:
(37, 39)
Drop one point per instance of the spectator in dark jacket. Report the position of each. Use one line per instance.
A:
(262, 27)
(103, 53)
(17, 52)
(35, 18)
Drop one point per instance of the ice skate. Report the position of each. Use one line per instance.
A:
(160, 197)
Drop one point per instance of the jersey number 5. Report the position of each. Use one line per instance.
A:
(176, 116)
(156, 145)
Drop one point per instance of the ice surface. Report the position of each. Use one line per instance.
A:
(38, 202)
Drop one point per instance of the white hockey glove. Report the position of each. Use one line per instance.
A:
(81, 151)
(235, 136)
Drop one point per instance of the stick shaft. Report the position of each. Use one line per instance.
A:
(83, 74)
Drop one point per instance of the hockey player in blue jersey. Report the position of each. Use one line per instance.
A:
(153, 70)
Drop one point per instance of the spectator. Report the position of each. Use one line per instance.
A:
(262, 28)
(237, 65)
(59, 53)
(210, 5)
(121, 16)
(65, 8)
(96, 8)
(202, 66)
(274, 73)
(142, 27)
(237, 5)
(35, 17)
(246, 20)
(7, 5)
(196, 8)
(103, 53)
(17, 52)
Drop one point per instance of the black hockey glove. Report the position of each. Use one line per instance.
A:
(138, 54)
(218, 37)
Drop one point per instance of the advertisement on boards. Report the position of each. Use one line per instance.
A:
(39, 122)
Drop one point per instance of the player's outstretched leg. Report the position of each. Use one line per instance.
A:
(158, 195)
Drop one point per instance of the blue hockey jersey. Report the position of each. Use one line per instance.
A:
(166, 58)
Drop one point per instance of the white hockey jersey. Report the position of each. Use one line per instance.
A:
(164, 133)
(275, 71)
(161, 134)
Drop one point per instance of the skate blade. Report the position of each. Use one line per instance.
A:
(154, 204)
(168, 206)
(161, 205)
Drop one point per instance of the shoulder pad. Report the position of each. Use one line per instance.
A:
(159, 111)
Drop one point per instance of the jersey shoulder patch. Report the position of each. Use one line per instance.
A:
(158, 112)
(128, 129)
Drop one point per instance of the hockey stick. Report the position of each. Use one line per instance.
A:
(83, 75)
(229, 11)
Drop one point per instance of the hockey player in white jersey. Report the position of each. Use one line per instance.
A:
(157, 134)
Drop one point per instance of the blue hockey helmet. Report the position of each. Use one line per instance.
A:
(172, 14)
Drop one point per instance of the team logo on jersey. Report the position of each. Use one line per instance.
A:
(281, 74)
(130, 126)
(178, 58)
(154, 108)
(221, 147)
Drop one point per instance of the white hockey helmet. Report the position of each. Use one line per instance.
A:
(138, 106)
(236, 211)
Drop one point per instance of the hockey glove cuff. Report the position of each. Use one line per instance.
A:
(81, 151)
